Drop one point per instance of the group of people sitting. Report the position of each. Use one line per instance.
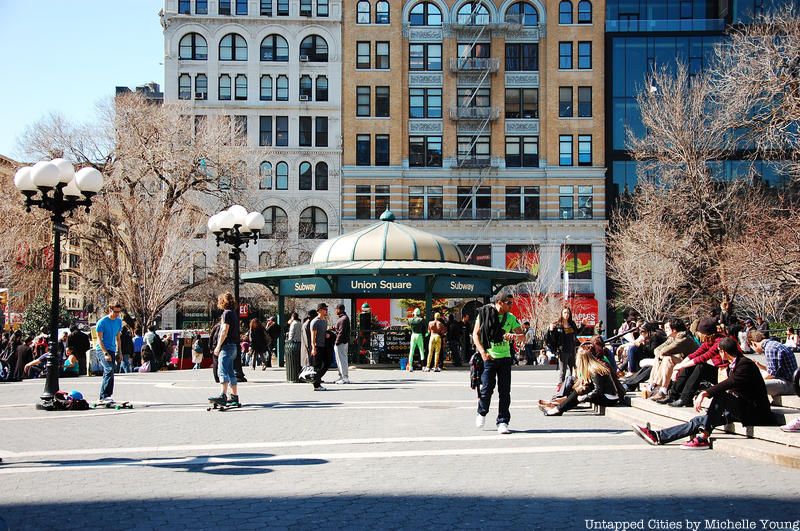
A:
(25, 357)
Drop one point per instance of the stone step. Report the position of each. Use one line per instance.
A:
(792, 401)
(730, 444)
(766, 433)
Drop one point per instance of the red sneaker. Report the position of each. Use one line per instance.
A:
(646, 434)
(697, 443)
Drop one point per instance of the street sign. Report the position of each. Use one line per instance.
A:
(462, 286)
(382, 285)
(304, 286)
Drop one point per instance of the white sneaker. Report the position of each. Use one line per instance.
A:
(480, 420)
(502, 429)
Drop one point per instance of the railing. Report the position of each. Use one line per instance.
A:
(474, 64)
(474, 161)
(474, 113)
(638, 25)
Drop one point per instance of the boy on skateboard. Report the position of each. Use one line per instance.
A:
(226, 351)
(109, 332)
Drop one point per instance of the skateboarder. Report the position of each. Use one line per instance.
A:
(109, 331)
(226, 350)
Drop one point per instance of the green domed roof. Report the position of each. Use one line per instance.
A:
(388, 240)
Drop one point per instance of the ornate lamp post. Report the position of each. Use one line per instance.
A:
(56, 187)
(236, 227)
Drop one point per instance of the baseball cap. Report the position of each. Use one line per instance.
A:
(322, 306)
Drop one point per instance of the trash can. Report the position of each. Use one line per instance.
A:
(403, 363)
(292, 357)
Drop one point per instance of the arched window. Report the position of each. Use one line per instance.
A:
(316, 48)
(193, 46)
(382, 12)
(184, 87)
(306, 88)
(266, 88)
(584, 12)
(473, 14)
(276, 223)
(321, 176)
(305, 176)
(282, 89)
(313, 224)
(274, 48)
(522, 13)
(265, 176)
(322, 88)
(425, 14)
(233, 47)
(362, 12)
(281, 176)
(565, 12)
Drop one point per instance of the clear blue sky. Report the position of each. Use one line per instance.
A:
(66, 55)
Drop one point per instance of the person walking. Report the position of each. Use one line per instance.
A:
(138, 343)
(321, 358)
(530, 343)
(226, 350)
(342, 344)
(109, 336)
(437, 330)
(494, 327)
(197, 352)
(273, 331)
(125, 349)
(417, 325)
(294, 337)
(454, 331)
(365, 329)
(306, 360)
(467, 348)
(259, 343)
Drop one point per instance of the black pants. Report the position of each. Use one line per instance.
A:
(321, 363)
(237, 365)
(688, 381)
(496, 371)
(724, 409)
(214, 366)
(455, 352)
(572, 401)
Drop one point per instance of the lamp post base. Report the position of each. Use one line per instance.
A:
(46, 403)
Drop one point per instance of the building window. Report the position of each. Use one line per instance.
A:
(382, 55)
(265, 173)
(585, 55)
(578, 261)
(382, 201)
(425, 202)
(282, 131)
(224, 7)
(522, 202)
(305, 8)
(241, 87)
(322, 8)
(425, 14)
(305, 180)
(565, 202)
(240, 131)
(233, 47)
(193, 46)
(282, 92)
(363, 98)
(522, 57)
(224, 87)
(266, 88)
(281, 176)
(585, 202)
(565, 102)
(467, 51)
(363, 54)
(306, 88)
(427, 57)
(363, 201)
(241, 7)
(201, 7)
(584, 150)
(315, 48)
(382, 102)
(313, 224)
(474, 150)
(266, 8)
(565, 12)
(474, 203)
(363, 150)
(522, 151)
(565, 55)
(382, 12)
(322, 88)
(283, 8)
(277, 223)
(584, 102)
(274, 48)
(305, 135)
(321, 176)
(184, 87)
(425, 151)
(425, 103)
(565, 150)
(522, 103)
(201, 87)
(363, 12)
(321, 131)
(381, 150)
(185, 7)
(522, 13)
(473, 98)
(584, 12)
(473, 14)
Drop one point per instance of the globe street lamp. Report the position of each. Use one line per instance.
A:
(236, 227)
(56, 187)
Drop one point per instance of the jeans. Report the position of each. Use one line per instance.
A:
(227, 355)
(572, 401)
(321, 362)
(125, 365)
(107, 385)
(530, 359)
(341, 359)
(724, 409)
(566, 360)
(496, 371)
(776, 387)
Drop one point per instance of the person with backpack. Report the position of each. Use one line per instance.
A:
(494, 327)
(153, 340)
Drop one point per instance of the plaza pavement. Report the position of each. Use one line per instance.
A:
(390, 451)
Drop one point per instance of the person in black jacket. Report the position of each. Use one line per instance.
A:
(80, 345)
(741, 397)
(562, 339)
(595, 385)
(259, 344)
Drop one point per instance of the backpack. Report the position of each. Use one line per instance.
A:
(197, 346)
(62, 401)
(475, 372)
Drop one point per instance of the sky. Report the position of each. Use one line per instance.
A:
(67, 55)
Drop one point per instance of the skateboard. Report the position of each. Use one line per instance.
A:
(213, 404)
(112, 405)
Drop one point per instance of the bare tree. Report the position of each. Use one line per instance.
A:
(537, 302)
